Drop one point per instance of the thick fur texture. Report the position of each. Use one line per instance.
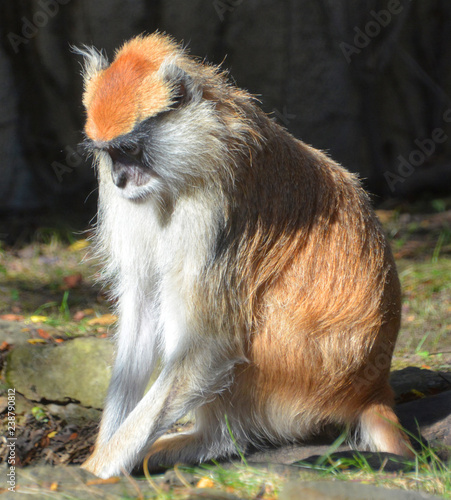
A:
(249, 263)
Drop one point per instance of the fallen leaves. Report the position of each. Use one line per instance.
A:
(79, 315)
(110, 480)
(72, 281)
(12, 317)
(205, 482)
(104, 320)
(4, 346)
(52, 441)
(78, 245)
(43, 334)
(36, 319)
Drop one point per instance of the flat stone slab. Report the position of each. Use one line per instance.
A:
(13, 332)
(342, 490)
(77, 370)
(420, 380)
(431, 415)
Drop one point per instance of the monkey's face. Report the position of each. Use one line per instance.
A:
(164, 154)
(148, 123)
(129, 163)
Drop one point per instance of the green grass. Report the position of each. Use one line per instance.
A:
(32, 283)
(426, 327)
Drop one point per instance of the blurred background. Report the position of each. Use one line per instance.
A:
(368, 81)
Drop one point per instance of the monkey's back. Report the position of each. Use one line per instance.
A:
(319, 296)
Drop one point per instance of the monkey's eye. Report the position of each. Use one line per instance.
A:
(132, 151)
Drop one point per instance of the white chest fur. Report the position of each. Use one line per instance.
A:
(156, 257)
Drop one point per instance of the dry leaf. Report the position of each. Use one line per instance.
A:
(37, 319)
(4, 346)
(72, 281)
(110, 480)
(36, 341)
(78, 245)
(105, 320)
(43, 334)
(12, 317)
(205, 482)
(79, 315)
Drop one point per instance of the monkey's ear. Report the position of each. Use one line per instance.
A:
(93, 61)
(184, 89)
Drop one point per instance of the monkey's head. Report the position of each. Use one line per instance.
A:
(158, 120)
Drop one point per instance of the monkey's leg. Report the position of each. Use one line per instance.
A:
(135, 361)
(185, 448)
(210, 438)
(188, 379)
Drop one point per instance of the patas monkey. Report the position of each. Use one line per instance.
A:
(250, 263)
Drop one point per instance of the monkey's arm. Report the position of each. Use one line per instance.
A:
(135, 361)
(186, 380)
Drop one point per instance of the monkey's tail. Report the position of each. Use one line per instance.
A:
(379, 430)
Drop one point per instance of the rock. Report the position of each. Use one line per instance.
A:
(351, 460)
(342, 490)
(77, 370)
(423, 381)
(292, 453)
(179, 478)
(23, 405)
(210, 494)
(74, 414)
(13, 333)
(432, 415)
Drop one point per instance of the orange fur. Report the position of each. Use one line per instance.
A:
(129, 90)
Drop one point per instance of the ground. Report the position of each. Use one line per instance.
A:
(49, 292)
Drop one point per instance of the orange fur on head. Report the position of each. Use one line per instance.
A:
(129, 90)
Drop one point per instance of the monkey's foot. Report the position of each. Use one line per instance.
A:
(97, 465)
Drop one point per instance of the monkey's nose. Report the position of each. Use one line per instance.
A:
(119, 177)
